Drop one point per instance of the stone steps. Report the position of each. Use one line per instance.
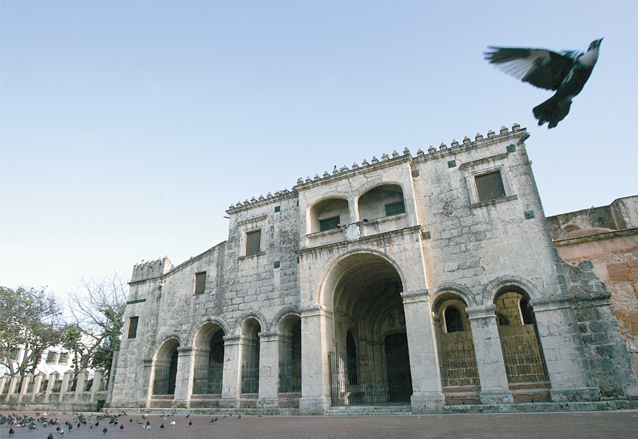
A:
(360, 410)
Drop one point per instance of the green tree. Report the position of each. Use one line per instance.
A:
(98, 317)
(29, 325)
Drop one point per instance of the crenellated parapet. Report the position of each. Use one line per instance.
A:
(516, 134)
(151, 269)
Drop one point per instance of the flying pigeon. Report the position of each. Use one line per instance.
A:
(565, 72)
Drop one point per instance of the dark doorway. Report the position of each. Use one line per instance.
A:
(398, 364)
(172, 374)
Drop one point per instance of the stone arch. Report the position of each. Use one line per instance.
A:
(196, 329)
(250, 342)
(239, 322)
(520, 343)
(491, 289)
(290, 348)
(451, 287)
(165, 363)
(457, 357)
(208, 357)
(333, 274)
(363, 289)
(282, 314)
(325, 208)
(379, 201)
(162, 345)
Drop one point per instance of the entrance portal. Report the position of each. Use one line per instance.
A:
(370, 364)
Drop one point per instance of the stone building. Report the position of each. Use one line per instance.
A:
(424, 281)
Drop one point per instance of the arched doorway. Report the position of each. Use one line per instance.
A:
(250, 357)
(290, 356)
(370, 363)
(165, 369)
(209, 360)
(522, 353)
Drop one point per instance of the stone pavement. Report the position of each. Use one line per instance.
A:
(617, 425)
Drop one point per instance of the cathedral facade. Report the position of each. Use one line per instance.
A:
(423, 281)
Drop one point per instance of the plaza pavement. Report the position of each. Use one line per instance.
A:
(616, 425)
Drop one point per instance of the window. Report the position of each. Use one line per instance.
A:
(490, 186)
(253, 242)
(328, 224)
(52, 357)
(200, 282)
(453, 322)
(64, 358)
(394, 208)
(132, 327)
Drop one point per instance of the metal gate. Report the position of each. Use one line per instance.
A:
(521, 352)
(385, 383)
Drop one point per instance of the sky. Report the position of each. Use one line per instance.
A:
(128, 128)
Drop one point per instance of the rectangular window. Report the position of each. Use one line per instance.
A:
(490, 186)
(328, 224)
(394, 208)
(200, 282)
(132, 327)
(253, 242)
(52, 357)
(64, 358)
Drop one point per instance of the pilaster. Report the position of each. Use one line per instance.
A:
(231, 382)
(268, 370)
(316, 331)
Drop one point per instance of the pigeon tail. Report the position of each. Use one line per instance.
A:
(553, 110)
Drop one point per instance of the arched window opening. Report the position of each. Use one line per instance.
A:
(453, 322)
(381, 201)
(456, 350)
(328, 215)
(250, 357)
(216, 363)
(290, 356)
(522, 352)
(351, 358)
(527, 312)
(165, 367)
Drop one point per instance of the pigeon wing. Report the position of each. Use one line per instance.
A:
(540, 67)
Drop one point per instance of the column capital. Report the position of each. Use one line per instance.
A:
(315, 311)
(415, 296)
(267, 336)
(231, 339)
(481, 311)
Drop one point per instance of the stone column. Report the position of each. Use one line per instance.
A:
(184, 378)
(563, 350)
(317, 330)
(36, 385)
(268, 370)
(231, 381)
(25, 385)
(489, 355)
(97, 382)
(12, 387)
(424, 360)
(66, 383)
(3, 382)
(53, 378)
(199, 380)
(149, 378)
(81, 382)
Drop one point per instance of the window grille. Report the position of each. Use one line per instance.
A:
(490, 186)
(394, 208)
(328, 224)
(253, 242)
(52, 357)
(64, 358)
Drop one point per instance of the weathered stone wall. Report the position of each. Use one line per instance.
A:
(606, 355)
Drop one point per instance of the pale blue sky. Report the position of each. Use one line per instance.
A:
(128, 128)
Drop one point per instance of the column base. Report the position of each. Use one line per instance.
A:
(267, 403)
(314, 405)
(229, 403)
(574, 394)
(496, 396)
(427, 402)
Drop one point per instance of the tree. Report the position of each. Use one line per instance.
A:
(29, 325)
(98, 313)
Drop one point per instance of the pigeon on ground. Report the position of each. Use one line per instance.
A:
(121, 426)
(565, 72)
(105, 430)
